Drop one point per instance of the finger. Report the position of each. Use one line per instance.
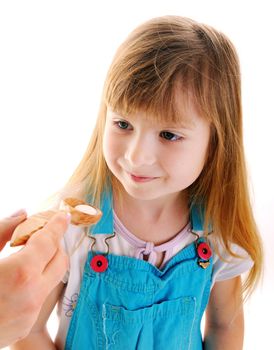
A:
(58, 225)
(43, 245)
(8, 225)
(55, 270)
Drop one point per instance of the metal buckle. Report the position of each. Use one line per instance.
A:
(94, 241)
(203, 250)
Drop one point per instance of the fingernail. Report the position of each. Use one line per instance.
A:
(19, 213)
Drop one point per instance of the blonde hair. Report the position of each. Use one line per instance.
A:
(145, 72)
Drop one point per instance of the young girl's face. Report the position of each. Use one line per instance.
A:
(153, 160)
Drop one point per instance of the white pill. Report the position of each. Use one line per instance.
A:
(86, 209)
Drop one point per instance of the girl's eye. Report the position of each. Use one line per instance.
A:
(167, 135)
(122, 124)
(170, 136)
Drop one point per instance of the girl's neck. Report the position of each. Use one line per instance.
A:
(156, 220)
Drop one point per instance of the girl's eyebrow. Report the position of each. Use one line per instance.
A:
(186, 125)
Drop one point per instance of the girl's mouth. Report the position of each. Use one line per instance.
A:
(142, 178)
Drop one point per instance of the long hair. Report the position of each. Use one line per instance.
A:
(156, 58)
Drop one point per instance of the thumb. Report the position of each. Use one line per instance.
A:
(8, 225)
(58, 224)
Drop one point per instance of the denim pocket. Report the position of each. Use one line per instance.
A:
(162, 326)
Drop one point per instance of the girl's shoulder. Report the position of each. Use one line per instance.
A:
(226, 265)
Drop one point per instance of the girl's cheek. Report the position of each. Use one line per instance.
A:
(110, 145)
(106, 144)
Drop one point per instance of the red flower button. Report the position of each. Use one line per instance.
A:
(99, 263)
(204, 251)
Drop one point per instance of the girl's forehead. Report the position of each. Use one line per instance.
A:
(174, 106)
(184, 115)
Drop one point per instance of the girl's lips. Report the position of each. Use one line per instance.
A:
(141, 178)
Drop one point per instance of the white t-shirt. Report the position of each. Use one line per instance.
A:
(77, 245)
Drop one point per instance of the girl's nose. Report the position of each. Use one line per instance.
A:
(141, 151)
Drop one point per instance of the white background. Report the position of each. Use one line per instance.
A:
(53, 59)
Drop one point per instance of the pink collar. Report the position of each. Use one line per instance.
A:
(148, 248)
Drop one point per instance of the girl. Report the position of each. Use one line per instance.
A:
(166, 166)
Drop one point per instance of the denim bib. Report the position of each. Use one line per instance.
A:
(134, 305)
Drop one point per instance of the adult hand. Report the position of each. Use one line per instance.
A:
(7, 226)
(29, 275)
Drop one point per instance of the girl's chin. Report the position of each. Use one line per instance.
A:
(142, 193)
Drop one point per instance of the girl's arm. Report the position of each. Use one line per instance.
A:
(224, 325)
(38, 337)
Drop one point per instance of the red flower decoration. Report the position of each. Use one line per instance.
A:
(204, 251)
(99, 263)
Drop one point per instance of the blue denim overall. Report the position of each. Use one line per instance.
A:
(134, 305)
